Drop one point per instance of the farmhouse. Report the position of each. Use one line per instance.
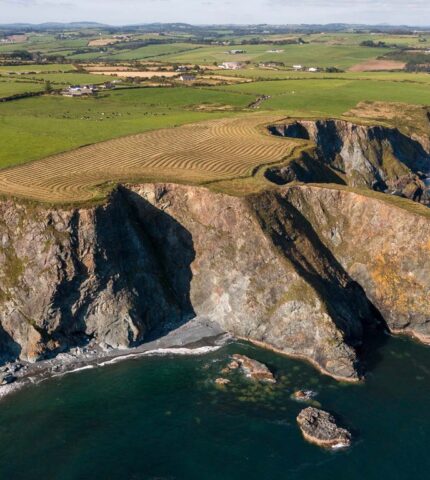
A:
(79, 91)
(187, 78)
(107, 86)
(312, 69)
(231, 65)
(297, 68)
(271, 64)
(236, 52)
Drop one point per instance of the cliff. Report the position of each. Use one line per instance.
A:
(302, 269)
(376, 157)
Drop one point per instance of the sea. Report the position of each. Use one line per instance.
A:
(162, 417)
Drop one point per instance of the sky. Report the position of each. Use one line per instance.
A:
(120, 12)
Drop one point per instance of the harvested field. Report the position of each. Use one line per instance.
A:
(102, 42)
(378, 66)
(196, 153)
(134, 74)
(106, 68)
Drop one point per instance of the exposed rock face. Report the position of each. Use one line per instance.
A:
(376, 157)
(250, 285)
(320, 427)
(71, 275)
(383, 248)
(252, 369)
(292, 269)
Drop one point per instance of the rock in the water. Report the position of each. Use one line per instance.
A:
(252, 369)
(320, 427)
(222, 381)
(303, 395)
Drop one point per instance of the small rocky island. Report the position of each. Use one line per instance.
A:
(320, 428)
(251, 368)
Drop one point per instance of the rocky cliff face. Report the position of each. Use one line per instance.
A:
(383, 248)
(303, 270)
(376, 157)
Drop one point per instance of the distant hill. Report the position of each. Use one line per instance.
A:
(202, 29)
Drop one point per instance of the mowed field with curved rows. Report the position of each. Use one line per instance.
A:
(196, 153)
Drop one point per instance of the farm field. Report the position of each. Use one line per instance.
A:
(66, 132)
(197, 153)
(49, 68)
(260, 74)
(331, 97)
(316, 55)
(9, 88)
(37, 127)
(42, 126)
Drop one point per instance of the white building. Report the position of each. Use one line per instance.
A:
(187, 78)
(231, 65)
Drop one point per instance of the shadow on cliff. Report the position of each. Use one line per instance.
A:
(172, 247)
(344, 299)
(138, 287)
(10, 350)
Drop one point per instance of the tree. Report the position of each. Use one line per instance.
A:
(48, 87)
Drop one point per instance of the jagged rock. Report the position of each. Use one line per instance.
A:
(319, 427)
(382, 245)
(303, 395)
(375, 157)
(222, 381)
(252, 369)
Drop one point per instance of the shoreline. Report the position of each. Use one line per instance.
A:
(304, 358)
(197, 337)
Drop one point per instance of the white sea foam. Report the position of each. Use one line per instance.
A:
(337, 446)
(85, 367)
(162, 352)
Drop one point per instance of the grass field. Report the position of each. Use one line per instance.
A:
(61, 136)
(342, 56)
(259, 74)
(196, 153)
(331, 97)
(9, 88)
(65, 78)
(51, 67)
(37, 127)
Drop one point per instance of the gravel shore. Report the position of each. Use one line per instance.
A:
(196, 337)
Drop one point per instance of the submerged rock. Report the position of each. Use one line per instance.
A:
(303, 395)
(252, 369)
(320, 428)
(222, 381)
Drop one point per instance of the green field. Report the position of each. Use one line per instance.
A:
(9, 88)
(316, 55)
(37, 127)
(333, 96)
(51, 67)
(40, 126)
(66, 78)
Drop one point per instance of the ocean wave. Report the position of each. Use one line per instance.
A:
(161, 352)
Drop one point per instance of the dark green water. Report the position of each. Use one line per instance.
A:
(163, 418)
